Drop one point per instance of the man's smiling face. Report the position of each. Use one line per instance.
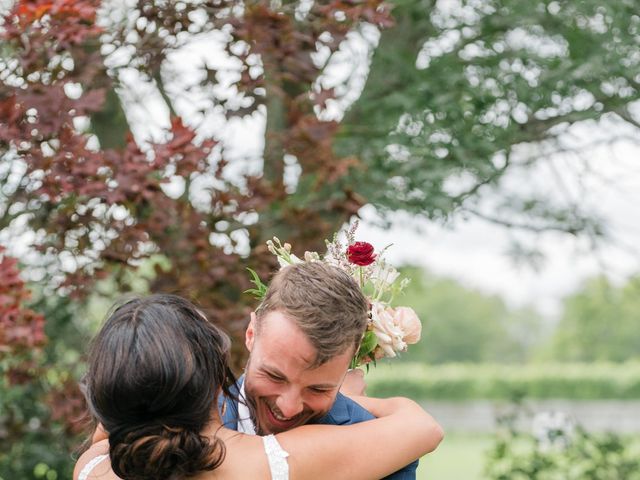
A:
(284, 388)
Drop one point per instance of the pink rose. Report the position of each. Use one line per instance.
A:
(407, 320)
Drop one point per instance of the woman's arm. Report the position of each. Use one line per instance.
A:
(379, 407)
(353, 384)
(367, 450)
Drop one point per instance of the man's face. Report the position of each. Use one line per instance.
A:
(282, 389)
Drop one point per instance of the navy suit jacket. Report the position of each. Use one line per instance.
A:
(343, 412)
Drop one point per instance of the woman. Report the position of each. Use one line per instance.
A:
(156, 369)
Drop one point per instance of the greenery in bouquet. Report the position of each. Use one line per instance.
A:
(391, 328)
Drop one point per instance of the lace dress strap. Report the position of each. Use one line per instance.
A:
(277, 458)
(84, 473)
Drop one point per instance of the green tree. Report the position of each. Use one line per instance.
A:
(465, 325)
(599, 323)
(464, 90)
(470, 89)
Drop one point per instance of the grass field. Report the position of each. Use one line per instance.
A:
(459, 457)
(462, 456)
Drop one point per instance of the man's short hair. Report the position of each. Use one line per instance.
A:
(325, 302)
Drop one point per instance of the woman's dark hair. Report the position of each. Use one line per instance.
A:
(155, 370)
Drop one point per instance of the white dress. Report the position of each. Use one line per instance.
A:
(84, 473)
(276, 456)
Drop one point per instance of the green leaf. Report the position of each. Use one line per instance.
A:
(261, 289)
(368, 345)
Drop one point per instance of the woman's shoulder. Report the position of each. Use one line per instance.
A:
(245, 457)
(94, 456)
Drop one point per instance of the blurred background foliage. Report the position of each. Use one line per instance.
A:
(464, 325)
(562, 451)
(420, 108)
(598, 323)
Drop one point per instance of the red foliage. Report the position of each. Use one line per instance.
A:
(21, 329)
(107, 208)
(66, 22)
(68, 407)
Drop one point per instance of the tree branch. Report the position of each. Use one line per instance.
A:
(570, 229)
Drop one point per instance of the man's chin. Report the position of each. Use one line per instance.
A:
(274, 425)
(271, 425)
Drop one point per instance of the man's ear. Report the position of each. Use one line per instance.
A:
(250, 334)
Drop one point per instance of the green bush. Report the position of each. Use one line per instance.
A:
(558, 449)
(502, 382)
(40, 420)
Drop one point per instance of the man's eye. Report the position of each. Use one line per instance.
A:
(318, 390)
(275, 378)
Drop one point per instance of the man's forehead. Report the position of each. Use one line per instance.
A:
(280, 332)
(286, 362)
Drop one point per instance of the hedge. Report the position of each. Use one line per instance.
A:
(503, 382)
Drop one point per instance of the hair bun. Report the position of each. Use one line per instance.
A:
(164, 453)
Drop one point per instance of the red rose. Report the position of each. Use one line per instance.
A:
(361, 253)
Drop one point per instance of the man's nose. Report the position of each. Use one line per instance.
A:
(290, 403)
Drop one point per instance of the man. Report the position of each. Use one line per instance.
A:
(301, 340)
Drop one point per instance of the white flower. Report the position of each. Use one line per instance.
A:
(311, 257)
(290, 260)
(390, 336)
(384, 274)
(553, 430)
(283, 263)
(295, 259)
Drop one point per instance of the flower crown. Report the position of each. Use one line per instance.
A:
(390, 329)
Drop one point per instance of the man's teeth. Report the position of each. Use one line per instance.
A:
(280, 417)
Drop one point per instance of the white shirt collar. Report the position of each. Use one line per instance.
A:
(245, 424)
